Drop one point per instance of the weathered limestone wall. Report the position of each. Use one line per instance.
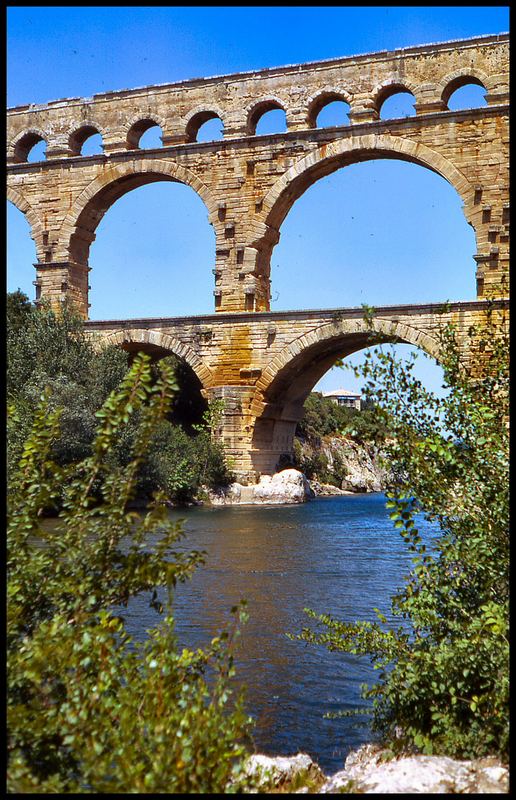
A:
(264, 364)
(247, 182)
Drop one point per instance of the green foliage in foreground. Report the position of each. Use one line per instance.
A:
(90, 710)
(443, 670)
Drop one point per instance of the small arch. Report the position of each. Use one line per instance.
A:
(79, 137)
(464, 92)
(156, 341)
(197, 119)
(138, 129)
(258, 110)
(25, 143)
(459, 78)
(323, 99)
(388, 103)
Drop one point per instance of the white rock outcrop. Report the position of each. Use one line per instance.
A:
(366, 773)
(288, 486)
(327, 489)
(282, 771)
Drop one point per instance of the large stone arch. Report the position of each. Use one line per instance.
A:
(331, 339)
(155, 341)
(287, 381)
(329, 157)
(77, 231)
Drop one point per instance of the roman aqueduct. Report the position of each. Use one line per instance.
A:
(262, 363)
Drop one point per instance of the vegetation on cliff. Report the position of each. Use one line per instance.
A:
(323, 430)
(443, 670)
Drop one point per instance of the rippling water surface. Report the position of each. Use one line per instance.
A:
(337, 555)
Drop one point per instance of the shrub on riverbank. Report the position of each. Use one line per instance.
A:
(323, 417)
(90, 710)
(443, 672)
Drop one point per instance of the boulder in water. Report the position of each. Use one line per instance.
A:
(288, 486)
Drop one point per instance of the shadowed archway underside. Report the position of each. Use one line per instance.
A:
(291, 376)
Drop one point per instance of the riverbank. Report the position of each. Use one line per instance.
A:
(346, 467)
(283, 488)
(373, 770)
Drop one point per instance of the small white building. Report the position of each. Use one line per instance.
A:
(344, 398)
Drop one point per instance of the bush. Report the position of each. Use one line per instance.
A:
(49, 350)
(90, 710)
(323, 417)
(443, 671)
(46, 350)
(180, 464)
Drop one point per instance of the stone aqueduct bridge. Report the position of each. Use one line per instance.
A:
(262, 363)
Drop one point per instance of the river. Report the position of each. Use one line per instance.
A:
(337, 555)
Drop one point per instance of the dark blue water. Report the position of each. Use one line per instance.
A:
(338, 555)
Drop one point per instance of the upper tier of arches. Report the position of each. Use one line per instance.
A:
(127, 133)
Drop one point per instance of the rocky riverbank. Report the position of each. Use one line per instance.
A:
(354, 467)
(369, 770)
(287, 486)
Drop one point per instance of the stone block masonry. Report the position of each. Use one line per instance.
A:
(264, 364)
(248, 182)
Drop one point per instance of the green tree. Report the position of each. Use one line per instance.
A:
(181, 464)
(322, 417)
(443, 670)
(49, 350)
(90, 710)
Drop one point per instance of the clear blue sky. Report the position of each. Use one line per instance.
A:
(380, 232)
